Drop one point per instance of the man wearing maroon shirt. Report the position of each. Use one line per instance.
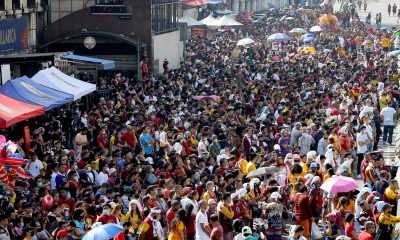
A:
(106, 216)
(129, 136)
(102, 139)
(171, 213)
(66, 201)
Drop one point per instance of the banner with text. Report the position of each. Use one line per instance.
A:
(13, 34)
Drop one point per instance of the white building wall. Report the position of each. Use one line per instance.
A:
(167, 46)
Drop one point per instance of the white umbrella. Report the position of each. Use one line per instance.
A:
(245, 41)
(290, 18)
(262, 171)
(316, 29)
(327, 51)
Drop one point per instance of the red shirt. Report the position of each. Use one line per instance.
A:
(364, 235)
(217, 233)
(70, 203)
(348, 229)
(186, 146)
(129, 137)
(104, 219)
(170, 216)
(102, 141)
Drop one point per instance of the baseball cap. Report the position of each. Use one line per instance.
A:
(211, 201)
(112, 170)
(386, 206)
(314, 165)
(246, 231)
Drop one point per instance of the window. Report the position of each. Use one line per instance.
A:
(164, 14)
(2, 4)
(16, 4)
(31, 3)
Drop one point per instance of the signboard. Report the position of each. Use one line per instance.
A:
(5, 70)
(13, 34)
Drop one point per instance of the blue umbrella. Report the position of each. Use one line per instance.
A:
(279, 37)
(308, 39)
(394, 53)
(103, 232)
(307, 35)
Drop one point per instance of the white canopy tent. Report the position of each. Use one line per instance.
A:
(191, 22)
(225, 21)
(208, 20)
(55, 79)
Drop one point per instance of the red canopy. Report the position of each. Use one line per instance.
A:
(194, 3)
(13, 111)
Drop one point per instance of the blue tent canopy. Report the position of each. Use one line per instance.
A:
(26, 90)
(107, 64)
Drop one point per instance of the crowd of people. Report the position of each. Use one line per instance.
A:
(169, 157)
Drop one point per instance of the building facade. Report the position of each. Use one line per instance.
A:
(119, 30)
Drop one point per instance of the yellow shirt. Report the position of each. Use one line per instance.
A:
(388, 219)
(382, 102)
(132, 217)
(352, 206)
(250, 167)
(390, 194)
(305, 168)
(243, 166)
(325, 177)
(385, 42)
(174, 234)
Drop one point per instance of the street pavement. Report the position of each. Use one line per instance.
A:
(376, 6)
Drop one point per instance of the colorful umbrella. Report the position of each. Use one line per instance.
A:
(298, 30)
(337, 184)
(308, 39)
(279, 37)
(307, 35)
(103, 232)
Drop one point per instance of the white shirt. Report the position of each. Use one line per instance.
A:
(361, 138)
(35, 167)
(201, 218)
(102, 178)
(53, 181)
(388, 113)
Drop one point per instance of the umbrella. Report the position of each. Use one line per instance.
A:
(283, 18)
(289, 18)
(279, 37)
(337, 184)
(394, 53)
(211, 98)
(307, 50)
(316, 29)
(308, 39)
(245, 41)
(103, 232)
(327, 51)
(262, 171)
(307, 35)
(298, 30)
(396, 34)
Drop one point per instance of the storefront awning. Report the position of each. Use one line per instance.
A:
(194, 3)
(107, 64)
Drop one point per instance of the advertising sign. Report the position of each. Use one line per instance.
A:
(13, 34)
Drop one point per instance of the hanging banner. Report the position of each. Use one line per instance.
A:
(13, 34)
(27, 137)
